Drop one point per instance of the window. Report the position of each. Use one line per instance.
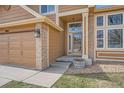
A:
(108, 35)
(116, 19)
(115, 38)
(100, 39)
(47, 9)
(103, 6)
(99, 20)
(75, 27)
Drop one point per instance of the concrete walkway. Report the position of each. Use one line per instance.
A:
(48, 77)
(44, 78)
(4, 81)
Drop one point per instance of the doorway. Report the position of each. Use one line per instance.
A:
(74, 38)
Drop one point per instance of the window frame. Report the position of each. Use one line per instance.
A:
(47, 13)
(103, 39)
(105, 28)
(114, 14)
(103, 21)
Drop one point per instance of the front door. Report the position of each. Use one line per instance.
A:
(74, 38)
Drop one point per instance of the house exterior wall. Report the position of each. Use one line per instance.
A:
(108, 54)
(56, 44)
(91, 33)
(65, 8)
(36, 8)
(52, 17)
(15, 13)
(53, 43)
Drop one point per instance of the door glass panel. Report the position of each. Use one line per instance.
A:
(76, 42)
(75, 27)
(75, 45)
(69, 42)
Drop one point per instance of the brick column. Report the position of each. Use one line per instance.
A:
(38, 48)
(85, 35)
(42, 46)
(45, 46)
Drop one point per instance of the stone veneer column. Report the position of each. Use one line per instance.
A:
(45, 46)
(85, 35)
(38, 49)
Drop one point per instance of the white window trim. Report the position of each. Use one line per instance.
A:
(107, 38)
(114, 14)
(105, 28)
(103, 21)
(73, 23)
(48, 13)
(103, 39)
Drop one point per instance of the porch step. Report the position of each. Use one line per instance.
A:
(66, 59)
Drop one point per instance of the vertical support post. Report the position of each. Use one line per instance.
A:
(57, 14)
(85, 35)
(38, 48)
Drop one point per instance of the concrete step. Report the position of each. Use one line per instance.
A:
(66, 58)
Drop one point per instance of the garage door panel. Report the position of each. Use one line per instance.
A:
(3, 61)
(3, 45)
(3, 48)
(18, 48)
(3, 52)
(29, 46)
(14, 37)
(29, 62)
(14, 52)
(15, 60)
(28, 35)
(3, 37)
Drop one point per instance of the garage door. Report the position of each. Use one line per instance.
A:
(18, 48)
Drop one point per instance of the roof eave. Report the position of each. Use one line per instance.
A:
(31, 21)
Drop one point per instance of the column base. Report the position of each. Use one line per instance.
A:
(88, 61)
(85, 57)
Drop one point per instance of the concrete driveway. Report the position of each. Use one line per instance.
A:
(14, 73)
(44, 78)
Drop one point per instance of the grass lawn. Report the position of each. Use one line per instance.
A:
(108, 80)
(17, 84)
(91, 81)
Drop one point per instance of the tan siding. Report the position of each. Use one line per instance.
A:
(91, 33)
(117, 55)
(52, 17)
(109, 9)
(15, 13)
(3, 49)
(18, 28)
(34, 7)
(63, 8)
(56, 44)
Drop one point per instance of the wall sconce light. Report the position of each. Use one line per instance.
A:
(37, 33)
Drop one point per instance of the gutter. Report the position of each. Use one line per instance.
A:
(112, 8)
(41, 19)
